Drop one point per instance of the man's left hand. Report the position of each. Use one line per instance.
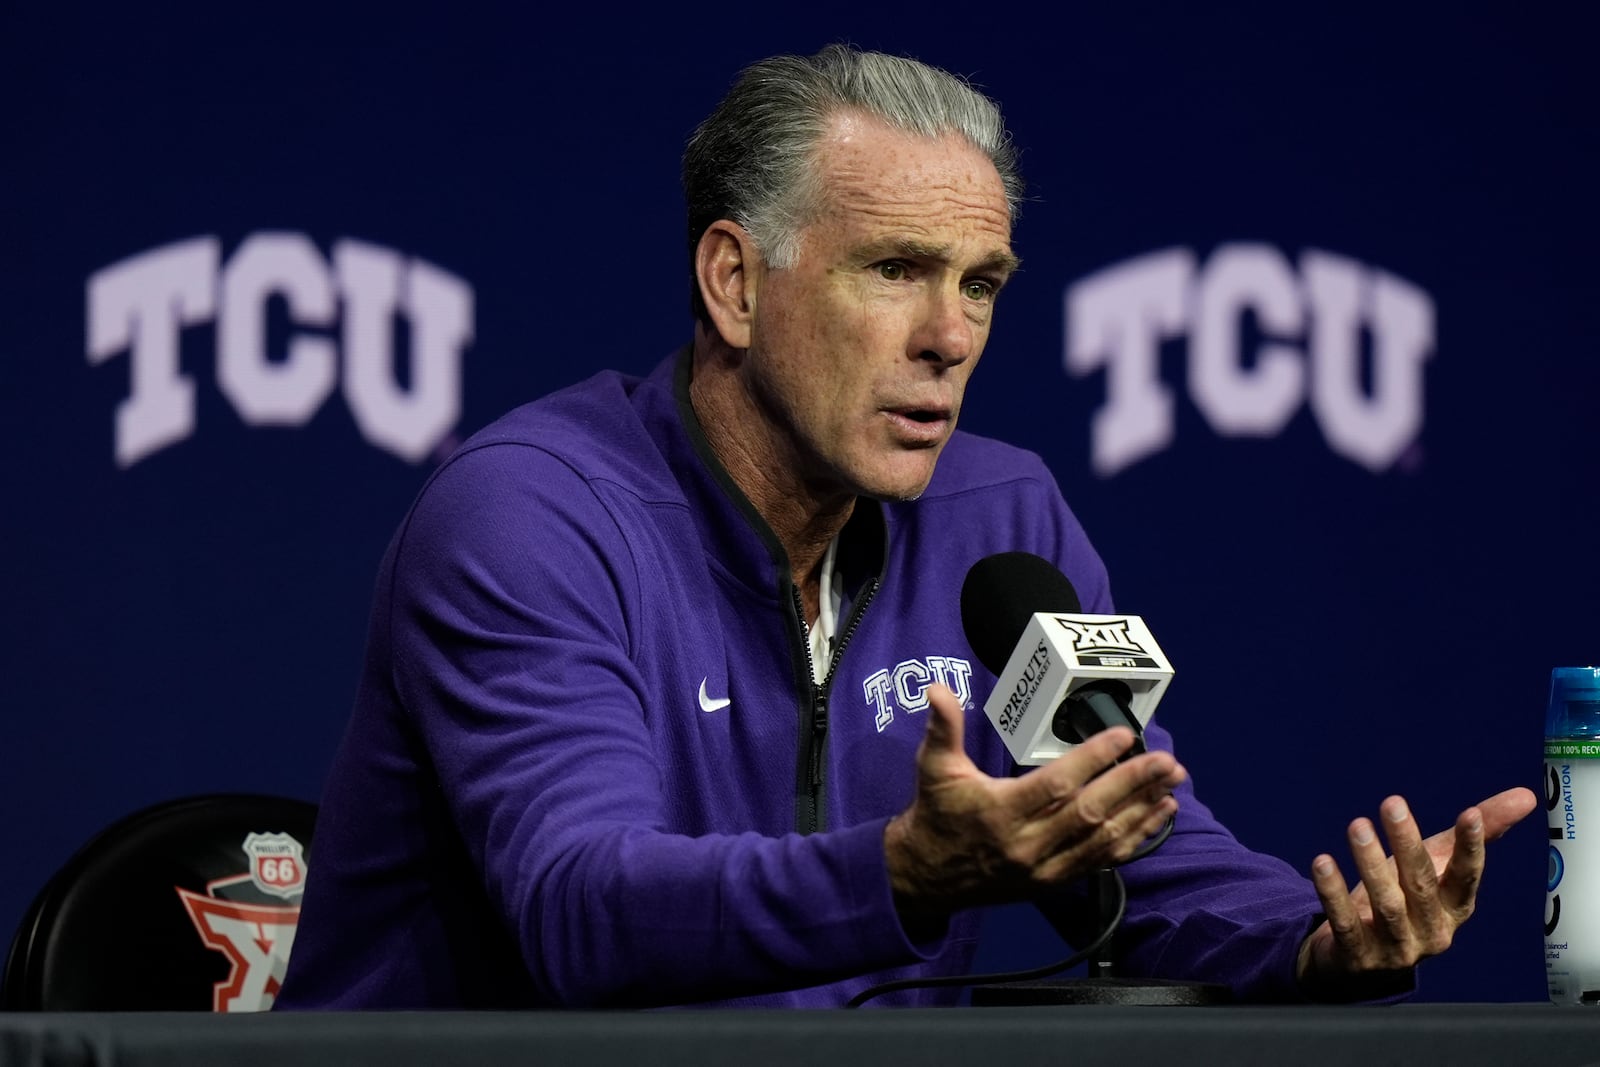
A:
(1408, 907)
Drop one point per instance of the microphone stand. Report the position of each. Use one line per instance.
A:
(1091, 709)
(1101, 985)
(1102, 895)
(1095, 707)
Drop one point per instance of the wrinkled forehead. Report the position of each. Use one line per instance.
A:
(851, 130)
(868, 173)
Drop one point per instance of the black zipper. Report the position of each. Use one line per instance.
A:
(816, 705)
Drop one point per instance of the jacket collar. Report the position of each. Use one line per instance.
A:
(734, 534)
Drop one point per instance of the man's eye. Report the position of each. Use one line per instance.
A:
(892, 271)
(979, 291)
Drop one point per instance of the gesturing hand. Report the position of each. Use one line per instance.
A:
(1406, 908)
(969, 839)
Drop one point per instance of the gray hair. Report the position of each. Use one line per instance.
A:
(751, 160)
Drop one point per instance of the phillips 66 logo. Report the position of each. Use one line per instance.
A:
(277, 864)
(1312, 325)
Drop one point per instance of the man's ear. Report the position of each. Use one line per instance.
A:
(728, 270)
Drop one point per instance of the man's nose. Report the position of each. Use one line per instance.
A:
(947, 334)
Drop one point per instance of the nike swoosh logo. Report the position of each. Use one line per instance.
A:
(707, 704)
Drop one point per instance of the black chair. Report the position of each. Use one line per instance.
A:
(188, 905)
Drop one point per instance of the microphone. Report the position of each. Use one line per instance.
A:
(1062, 675)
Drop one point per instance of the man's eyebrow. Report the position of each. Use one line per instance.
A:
(1002, 261)
(1006, 263)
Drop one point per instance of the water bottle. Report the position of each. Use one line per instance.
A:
(1572, 804)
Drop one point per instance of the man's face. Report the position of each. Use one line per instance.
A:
(860, 353)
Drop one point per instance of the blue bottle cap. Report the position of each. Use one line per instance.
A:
(1574, 703)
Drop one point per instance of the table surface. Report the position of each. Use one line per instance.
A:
(1449, 1035)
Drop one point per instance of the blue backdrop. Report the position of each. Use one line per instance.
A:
(1304, 329)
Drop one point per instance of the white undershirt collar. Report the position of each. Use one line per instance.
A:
(828, 604)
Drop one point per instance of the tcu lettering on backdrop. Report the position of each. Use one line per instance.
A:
(1312, 327)
(140, 305)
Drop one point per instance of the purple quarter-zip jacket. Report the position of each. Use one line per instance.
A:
(588, 767)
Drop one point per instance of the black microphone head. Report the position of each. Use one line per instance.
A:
(1001, 593)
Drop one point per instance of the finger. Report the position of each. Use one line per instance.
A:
(1093, 756)
(1419, 882)
(945, 733)
(1165, 807)
(1128, 821)
(1499, 813)
(1458, 887)
(1113, 815)
(1391, 918)
(1137, 783)
(1344, 919)
(1113, 842)
(1504, 810)
(1049, 787)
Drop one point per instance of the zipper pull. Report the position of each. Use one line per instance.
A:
(819, 730)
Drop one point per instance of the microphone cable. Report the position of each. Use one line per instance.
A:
(940, 981)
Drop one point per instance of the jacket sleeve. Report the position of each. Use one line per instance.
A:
(514, 657)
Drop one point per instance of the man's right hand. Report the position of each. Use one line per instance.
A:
(969, 839)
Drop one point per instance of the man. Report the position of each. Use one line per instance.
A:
(623, 736)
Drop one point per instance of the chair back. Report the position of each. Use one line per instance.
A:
(188, 905)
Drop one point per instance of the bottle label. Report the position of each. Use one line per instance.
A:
(1565, 750)
(1572, 917)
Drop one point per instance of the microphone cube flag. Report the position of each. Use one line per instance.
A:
(1059, 654)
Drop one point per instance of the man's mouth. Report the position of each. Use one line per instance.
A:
(920, 425)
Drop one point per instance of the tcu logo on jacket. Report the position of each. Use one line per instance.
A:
(905, 685)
